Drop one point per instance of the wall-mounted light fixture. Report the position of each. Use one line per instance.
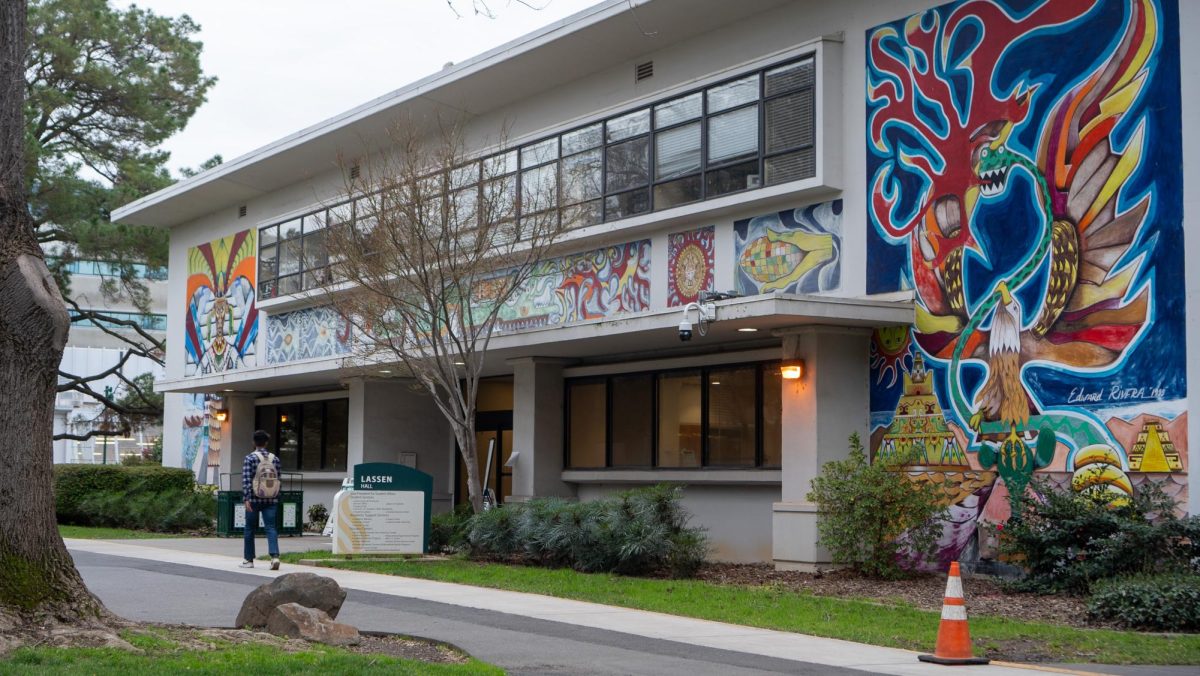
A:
(221, 415)
(791, 369)
(283, 417)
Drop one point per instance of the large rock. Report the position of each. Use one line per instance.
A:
(307, 589)
(292, 620)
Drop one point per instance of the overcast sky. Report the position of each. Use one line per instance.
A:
(283, 65)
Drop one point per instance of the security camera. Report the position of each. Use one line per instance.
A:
(685, 330)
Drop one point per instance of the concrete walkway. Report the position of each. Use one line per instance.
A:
(224, 554)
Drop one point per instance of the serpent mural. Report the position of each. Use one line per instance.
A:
(1030, 196)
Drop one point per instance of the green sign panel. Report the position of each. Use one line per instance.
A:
(387, 476)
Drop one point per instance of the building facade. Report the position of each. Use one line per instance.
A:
(963, 222)
(92, 351)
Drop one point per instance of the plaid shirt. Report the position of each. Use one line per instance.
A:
(249, 467)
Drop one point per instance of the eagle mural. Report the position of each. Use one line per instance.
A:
(1022, 193)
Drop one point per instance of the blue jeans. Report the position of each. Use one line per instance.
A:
(268, 516)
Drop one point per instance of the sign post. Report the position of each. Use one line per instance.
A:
(388, 511)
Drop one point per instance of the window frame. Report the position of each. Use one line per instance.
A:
(704, 372)
(510, 164)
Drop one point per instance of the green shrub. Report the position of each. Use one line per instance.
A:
(874, 519)
(493, 532)
(163, 511)
(147, 497)
(448, 531)
(1069, 541)
(1158, 602)
(318, 515)
(638, 532)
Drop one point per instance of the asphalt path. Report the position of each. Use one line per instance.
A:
(172, 593)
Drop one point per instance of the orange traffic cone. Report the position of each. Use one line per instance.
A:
(954, 639)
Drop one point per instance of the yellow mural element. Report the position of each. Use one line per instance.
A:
(918, 434)
(1154, 451)
(1098, 472)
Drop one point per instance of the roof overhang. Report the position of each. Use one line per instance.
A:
(645, 335)
(589, 41)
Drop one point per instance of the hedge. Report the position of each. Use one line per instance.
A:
(1158, 602)
(75, 485)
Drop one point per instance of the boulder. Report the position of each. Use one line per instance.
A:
(307, 589)
(292, 620)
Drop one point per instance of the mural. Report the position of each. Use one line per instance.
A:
(221, 325)
(791, 251)
(690, 265)
(307, 334)
(201, 437)
(590, 285)
(1030, 196)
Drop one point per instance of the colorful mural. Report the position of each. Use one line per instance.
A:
(690, 265)
(590, 285)
(307, 334)
(201, 437)
(221, 326)
(1030, 196)
(792, 251)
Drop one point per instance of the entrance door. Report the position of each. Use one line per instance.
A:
(493, 423)
(492, 430)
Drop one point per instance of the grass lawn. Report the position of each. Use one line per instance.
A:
(898, 626)
(96, 533)
(163, 656)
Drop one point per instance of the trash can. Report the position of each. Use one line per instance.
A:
(289, 518)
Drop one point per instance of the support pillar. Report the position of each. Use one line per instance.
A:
(237, 435)
(830, 401)
(538, 428)
(356, 423)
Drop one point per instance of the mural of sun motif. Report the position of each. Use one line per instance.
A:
(691, 265)
(889, 348)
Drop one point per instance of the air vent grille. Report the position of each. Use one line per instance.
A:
(242, 211)
(354, 172)
(643, 71)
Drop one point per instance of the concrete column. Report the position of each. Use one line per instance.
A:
(820, 411)
(538, 428)
(356, 426)
(237, 435)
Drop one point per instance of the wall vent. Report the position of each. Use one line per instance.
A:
(241, 211)
(643, 71)
(354, 172)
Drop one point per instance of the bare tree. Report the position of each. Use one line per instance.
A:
(39, 583)
(428, 258)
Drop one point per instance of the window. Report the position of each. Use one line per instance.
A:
(632, 421)
(720, 416)
(679, 419)
(588, 439)
(754, 130)
(150, 322)
(292, 256)
(308, 436)
(732, 416)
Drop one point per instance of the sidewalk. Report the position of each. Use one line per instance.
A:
(224, 554)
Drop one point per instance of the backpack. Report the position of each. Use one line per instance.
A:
(266, 484)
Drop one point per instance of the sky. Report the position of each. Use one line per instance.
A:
(283, 65)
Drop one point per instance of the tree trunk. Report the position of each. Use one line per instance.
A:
(38, 579)
(470, 455)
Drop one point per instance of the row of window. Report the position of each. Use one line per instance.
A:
(109, 269)
(308, 436)
(728, 416)
(755, 130)
(149, 322)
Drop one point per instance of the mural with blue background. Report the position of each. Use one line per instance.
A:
(1025, 181)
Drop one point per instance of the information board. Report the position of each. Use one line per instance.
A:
(380, 522)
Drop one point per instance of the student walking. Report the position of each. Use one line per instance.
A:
(260, 493)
